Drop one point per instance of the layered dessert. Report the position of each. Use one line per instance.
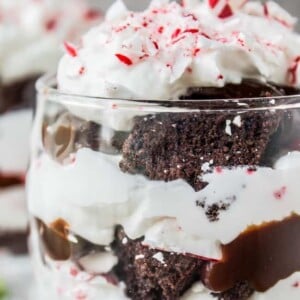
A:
(30, 35)
(165, 158)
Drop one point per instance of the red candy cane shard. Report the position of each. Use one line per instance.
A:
(213, 3)
(124, 59)
(226, 12)
(70, 49)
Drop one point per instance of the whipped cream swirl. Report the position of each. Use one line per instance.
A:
(159, 53)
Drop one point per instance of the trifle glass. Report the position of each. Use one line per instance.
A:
(165, 157)
(182, 199)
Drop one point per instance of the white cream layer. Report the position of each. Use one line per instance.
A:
(15, 130)
(93, 195)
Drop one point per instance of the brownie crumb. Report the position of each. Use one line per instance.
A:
(213, 211)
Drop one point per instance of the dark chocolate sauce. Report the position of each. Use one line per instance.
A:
(262, 255)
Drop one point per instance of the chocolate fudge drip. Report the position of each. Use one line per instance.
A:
(169, 146)
(18, 94)
(262, 255)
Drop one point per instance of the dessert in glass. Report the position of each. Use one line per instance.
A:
(30, 35)
(166, 157)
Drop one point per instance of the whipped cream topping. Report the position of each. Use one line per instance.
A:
(31, 32)
(169, 47)
(164, 212)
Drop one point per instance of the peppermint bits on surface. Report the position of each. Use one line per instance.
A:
(81, 70)
(213, 3)
(124, 59)
(226, 12)
(293, 71)
(70, 49)
(280, 193)
(225, 8)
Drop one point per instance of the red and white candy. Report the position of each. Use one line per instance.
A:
(225, 8)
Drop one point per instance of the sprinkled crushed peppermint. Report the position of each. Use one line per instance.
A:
(124, 59)
(293, 70)
(225, 12)
(279, 194)
(70, 49)
(92, 14)
(81, 70)
(51, 24)
(218, 170)
(213, 3)
(174, 41)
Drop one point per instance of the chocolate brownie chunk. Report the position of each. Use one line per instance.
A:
(169, 146)
(241, 291)
(149, 278)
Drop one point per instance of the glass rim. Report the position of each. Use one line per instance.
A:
(46, 84)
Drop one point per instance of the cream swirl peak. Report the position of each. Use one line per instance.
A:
(169, 47)
(31, 32)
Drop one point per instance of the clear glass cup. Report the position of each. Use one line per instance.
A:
(187, 199)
